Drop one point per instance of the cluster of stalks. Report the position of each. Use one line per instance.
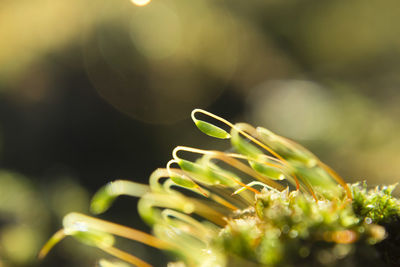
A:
(270, 203)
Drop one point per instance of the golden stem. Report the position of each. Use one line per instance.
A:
(124, 256)
(57, 237)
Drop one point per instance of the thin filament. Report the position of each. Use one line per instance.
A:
(124, 256)
(248, 136)
(57, 237)
(231, 161)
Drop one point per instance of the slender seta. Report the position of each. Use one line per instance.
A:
(270, 203)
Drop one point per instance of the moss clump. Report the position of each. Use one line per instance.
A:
(290, 228)
(376, 205)
(380, 207)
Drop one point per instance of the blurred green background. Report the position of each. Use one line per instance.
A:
(92, 91)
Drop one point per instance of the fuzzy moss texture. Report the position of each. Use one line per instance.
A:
(292, 229)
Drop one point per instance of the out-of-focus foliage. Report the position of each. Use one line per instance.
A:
(321, 71)
(350, 125)
(26, 218)
(30, 30)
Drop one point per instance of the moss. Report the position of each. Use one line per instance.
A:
(377, 205)
(380, 207)
(290, 228)
(208, 212)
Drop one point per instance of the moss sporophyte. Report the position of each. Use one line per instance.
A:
(270, 203)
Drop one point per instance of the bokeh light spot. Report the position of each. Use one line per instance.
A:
(156, 31)
(140, 2)
(300, 109)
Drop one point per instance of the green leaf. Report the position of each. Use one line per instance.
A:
(196, 171)
(102, 200)
(315, 176)
(223, 177)
(83, 227)
(94, 238)
(210, 175)
(212, 130)
(270, 172)
(183, 181)
(287, 149)
(244, 147)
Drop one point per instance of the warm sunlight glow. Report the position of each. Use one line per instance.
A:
(140, 2)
